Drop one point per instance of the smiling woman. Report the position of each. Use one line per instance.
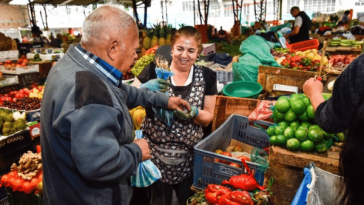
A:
(172, 147)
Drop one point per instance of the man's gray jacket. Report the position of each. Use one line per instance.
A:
(87, 134)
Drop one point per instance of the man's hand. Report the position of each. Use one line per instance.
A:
(286, 36)
(313, 89)
(187, 115)
(175, 103)
(156, 85)
(143, 144)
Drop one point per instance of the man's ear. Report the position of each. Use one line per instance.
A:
(112, 50)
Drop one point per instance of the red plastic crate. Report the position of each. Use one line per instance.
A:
(304, 45)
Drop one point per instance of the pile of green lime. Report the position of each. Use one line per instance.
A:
(295, 126)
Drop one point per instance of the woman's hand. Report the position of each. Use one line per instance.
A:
(156, 85)
(187, 116)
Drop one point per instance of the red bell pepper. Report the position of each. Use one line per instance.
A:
(295, 59)
(285, 63)
(236, 198)
(293, 64)
(213, 192)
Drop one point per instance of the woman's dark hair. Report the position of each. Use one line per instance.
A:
(188, 31)
(347, 12)
(352, 158)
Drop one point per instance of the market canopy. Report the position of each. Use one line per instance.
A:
(73, 2)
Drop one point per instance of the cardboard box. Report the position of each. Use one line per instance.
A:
(208, 48)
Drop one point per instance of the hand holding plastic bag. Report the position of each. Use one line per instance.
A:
(187, 115)
(147, 173)
(165, 116)
(156, 85)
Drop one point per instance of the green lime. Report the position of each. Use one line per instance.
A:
(277, 115)
(303, 117)
(281, 140)
(301, 134)
(282, 105)
(315, 135)
(283, 124)
(310, 112)
(295, 95)
(321, 147)
(293, 144)
(279, 130)
(314, 127)
(294, 125)
(307, 146)
(326, 96)
(298, 106)
(270, 130)
(273, 140)
(306, 124)
(306, 100)
(290, 116)
(289, 133)
(283, 97)
(340, 136)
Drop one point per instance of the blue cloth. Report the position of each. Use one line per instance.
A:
(113, 74)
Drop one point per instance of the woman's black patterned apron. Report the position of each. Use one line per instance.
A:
(172, 148)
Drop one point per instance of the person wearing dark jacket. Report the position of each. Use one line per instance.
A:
(301, 27)
(88, 149)
(344, 111)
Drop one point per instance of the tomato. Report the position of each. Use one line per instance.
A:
(226, 154)
(5, 180)
(8, 62)
(17, 184)
(13, 174)
(34, 182)
(27, 187)
(234, 165)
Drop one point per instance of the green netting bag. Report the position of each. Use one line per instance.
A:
(256, 52)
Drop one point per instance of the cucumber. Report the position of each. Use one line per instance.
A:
(358, 43)
(345, 44)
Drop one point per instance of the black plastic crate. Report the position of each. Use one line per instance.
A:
(20, 198)
(207, 171)
(13, 147)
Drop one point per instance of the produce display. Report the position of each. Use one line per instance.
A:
(339, 62)
(21, 62)
(137, 114)
(128, 75)
(26, 177)
(11, 122)
(24, 103)
(14, 96)
(241, 190)
(159, 35)
(309, 60)
(236, 152)
(346, 43)
(142, 63)
(295, 128)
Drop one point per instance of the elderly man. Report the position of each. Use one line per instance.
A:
(301, 28)
(87, 133)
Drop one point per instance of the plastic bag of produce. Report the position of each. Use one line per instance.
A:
(147, 173)
(313, 189)
(165, 116)
(263, 111)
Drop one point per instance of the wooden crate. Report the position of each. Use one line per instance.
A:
(226, 106)
(268, 76)
(286, 168)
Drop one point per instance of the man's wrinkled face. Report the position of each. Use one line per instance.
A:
(127, 52)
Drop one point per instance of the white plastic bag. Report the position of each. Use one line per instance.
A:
(349, 36)
(147, 173)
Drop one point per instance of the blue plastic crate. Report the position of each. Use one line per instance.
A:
(207, 171)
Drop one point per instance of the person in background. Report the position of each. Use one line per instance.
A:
(56, 42)
(344, 19)
(46, 41)
(301, 28)
(344, 111)
(88, 149)
(36, 32)
(172, 147)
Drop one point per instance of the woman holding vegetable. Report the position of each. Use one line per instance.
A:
(172, 146)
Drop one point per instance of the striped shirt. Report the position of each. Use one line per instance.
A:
(113, 74)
